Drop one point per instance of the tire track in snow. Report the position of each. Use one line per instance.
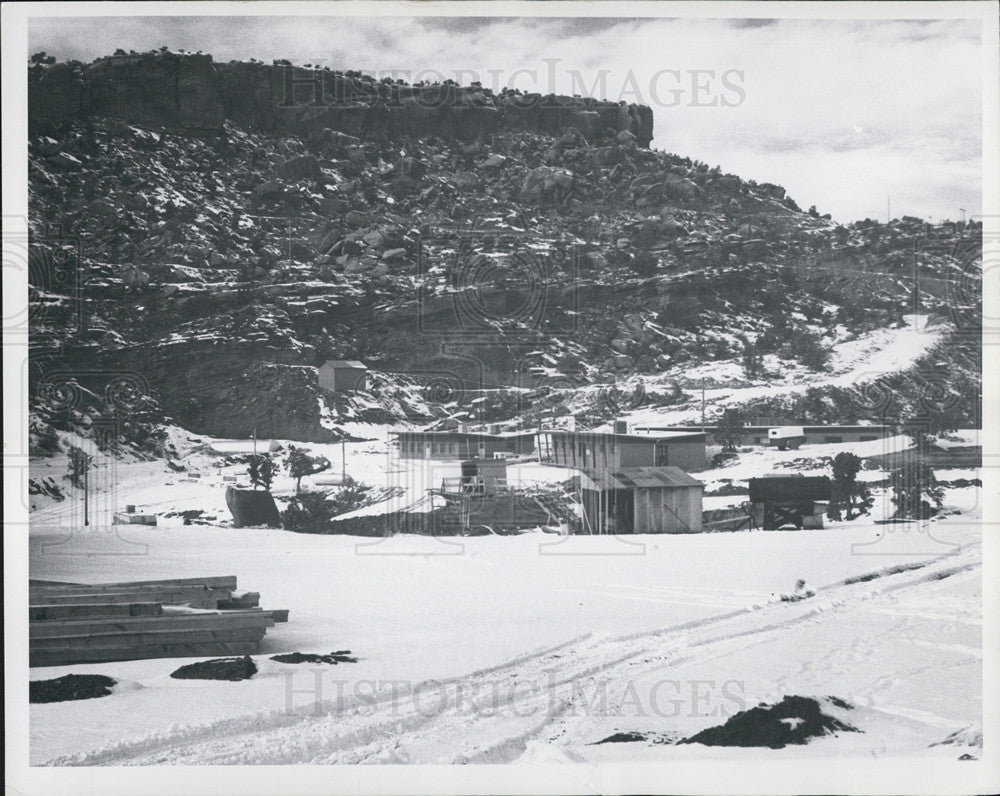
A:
(397, 728)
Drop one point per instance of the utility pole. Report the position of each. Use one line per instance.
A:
(255, 442)
(703, 429)
(343, 460)
(888, 208)
(86, 490)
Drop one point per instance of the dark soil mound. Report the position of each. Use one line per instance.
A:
(70, 686)
(232, 669)
(340, 656)
(794, 720)
(622, 737)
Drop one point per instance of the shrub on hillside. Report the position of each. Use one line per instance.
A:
(312, 512)
(807, 348)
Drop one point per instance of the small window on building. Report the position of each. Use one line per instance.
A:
(867, 437)
(833, 439)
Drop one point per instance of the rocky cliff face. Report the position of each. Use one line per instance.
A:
(190, 92)
(481, 254)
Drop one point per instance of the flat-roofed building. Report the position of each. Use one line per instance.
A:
(463, 445)
(603, 451)
(815, 434)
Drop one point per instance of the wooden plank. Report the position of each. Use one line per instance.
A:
(47, 613)
(147, 587)
(149, 638)
(35, 583)
(206, 621)
(195, 650)
(278, 614)
(212, 581)
(202, 597)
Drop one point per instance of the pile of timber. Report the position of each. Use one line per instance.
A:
(180, 618)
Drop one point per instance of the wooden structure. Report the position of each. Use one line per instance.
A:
(342, 375)
(592, 451)
(479, 477)
(131, 518)
(782, 501)
(463, 445)
(179, 618)
(642, 500)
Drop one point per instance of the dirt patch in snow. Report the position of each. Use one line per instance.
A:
(231, 669)
(793, 720)
(638, 737)
(69, 687)
(340, 656)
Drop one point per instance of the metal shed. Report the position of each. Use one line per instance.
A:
(642, 500)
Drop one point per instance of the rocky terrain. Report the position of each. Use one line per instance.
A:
(204, 235)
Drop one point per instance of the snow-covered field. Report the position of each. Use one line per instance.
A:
(530, 647)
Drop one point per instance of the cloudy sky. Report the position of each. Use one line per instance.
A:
(843, 113)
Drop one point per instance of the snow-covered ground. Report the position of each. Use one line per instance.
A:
(529, 647)
(695, 614)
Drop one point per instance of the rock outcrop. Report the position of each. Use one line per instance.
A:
(192, 93)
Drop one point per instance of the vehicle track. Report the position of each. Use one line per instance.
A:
(491, 714)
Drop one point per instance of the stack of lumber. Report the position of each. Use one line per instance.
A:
(179, 618)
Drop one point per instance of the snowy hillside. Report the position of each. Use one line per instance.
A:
(498, 276)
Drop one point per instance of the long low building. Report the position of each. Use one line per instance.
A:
(578, 450)
(463, 445)
(814, 435)
(602, 451)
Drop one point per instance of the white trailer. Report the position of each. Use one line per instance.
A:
(786, 437)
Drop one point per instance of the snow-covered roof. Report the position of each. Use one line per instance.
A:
(644, 478)
(644, 437)
(345, 363)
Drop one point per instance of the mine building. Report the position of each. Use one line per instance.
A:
(811, 435)
(641, 500)
(464, 445)
(782, 501)
(342, 375)
(604, 451)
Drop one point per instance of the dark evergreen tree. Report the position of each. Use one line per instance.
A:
(850, 496)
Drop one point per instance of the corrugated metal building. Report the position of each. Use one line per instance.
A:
(642, 500)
